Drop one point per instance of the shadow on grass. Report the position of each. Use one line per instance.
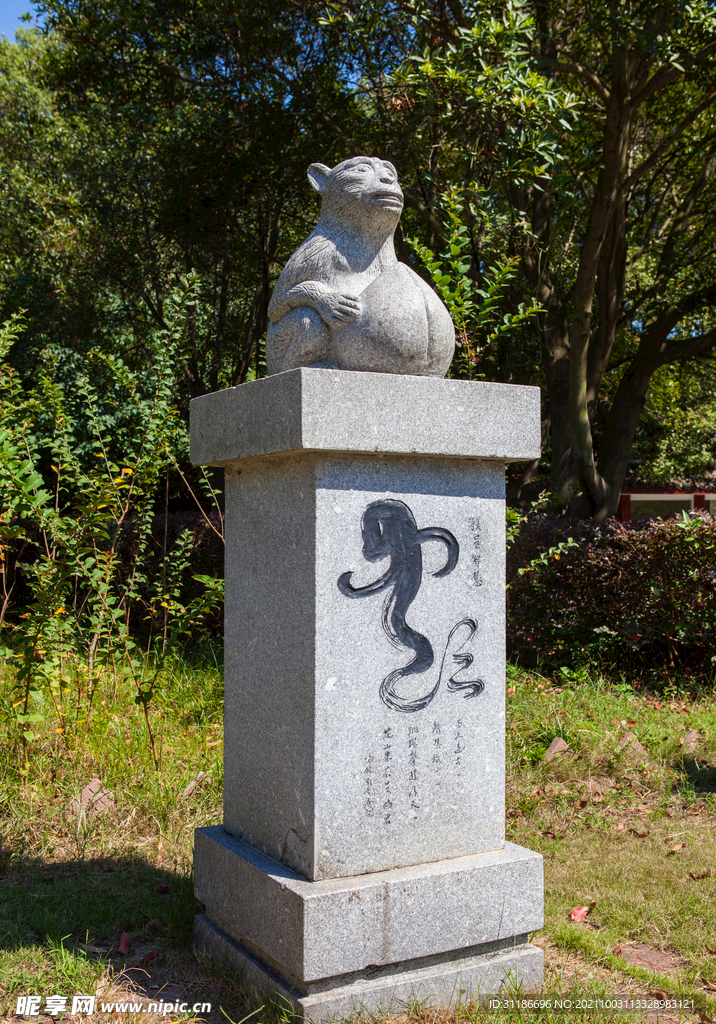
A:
(700, 774)
(91, 901)
(60, 928)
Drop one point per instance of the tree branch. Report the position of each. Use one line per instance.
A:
(689, 347)
(656, 334)
(309, 102)
(667, 73)
(456, 9)
(429, 218)
(587, 75)
(665, 143)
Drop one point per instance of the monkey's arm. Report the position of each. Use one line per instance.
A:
(306, 293)
(332, 307)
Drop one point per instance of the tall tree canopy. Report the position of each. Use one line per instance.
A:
(640, 286)
(552, 155)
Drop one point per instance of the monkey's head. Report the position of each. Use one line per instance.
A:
(362, 190)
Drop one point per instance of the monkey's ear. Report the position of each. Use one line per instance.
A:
(318, 176)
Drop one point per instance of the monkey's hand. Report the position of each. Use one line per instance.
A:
(336, 308)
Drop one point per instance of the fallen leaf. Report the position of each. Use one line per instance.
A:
(161, 887)
(160, 847)
(710, 985)
(697, 878)
(581, 803)
(579, 913)
(148, 957)
(511, 689)
(711, 951)
(598, 799)
(676, 847)
(124, 945)
(620, 826)
(658, 993)
(618, 949)
(636, 832)
(216, 743)
(548, 832)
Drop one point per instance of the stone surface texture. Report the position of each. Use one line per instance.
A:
(324, 770)
(330, 410)
(376, 919)
(343, 299)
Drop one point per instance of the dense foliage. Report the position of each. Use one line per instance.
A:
(636, 599)
(557, 164)
(90, 584)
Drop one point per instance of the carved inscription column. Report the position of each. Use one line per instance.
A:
(364, 743)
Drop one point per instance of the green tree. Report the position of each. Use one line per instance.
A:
(44, 227)
(201, 121)
(607, 211)
(622, 257)
(579, 143)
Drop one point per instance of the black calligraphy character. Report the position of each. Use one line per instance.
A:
(389, 530)
(471, 688)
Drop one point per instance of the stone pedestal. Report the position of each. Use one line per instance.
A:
(362, 859)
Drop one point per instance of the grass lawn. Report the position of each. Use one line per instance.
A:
(629, 833)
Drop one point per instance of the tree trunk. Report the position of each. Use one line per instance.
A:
(610, 295)
(258, 317)
(620, 431)
(615, 160)
(555, 340)
(221, 317)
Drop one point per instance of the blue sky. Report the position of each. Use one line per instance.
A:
(10, 11)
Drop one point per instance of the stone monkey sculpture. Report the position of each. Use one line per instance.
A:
(343, 300)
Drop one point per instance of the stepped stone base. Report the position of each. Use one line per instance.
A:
(451, 932)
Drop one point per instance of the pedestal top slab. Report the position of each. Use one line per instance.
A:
(311, 409)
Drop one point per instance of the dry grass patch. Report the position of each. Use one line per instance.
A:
(632, 834)
(607, 822)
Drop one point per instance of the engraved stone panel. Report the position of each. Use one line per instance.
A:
(370, 662)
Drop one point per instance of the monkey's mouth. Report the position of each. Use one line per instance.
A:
(393, 200)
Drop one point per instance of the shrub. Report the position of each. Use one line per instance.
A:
(91, 583)
(632, 598)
